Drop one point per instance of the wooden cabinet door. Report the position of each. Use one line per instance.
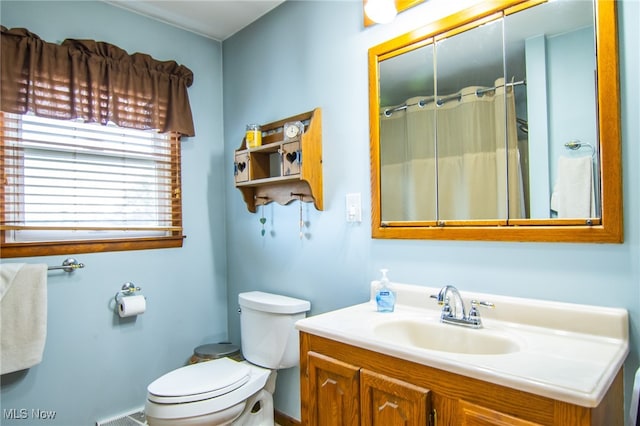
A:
(241, 167)
(390, 402)
(334, 390)
(291, 158)
(475, 415)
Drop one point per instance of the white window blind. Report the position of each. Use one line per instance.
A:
(74, 181)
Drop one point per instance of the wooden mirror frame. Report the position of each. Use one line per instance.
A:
(607, 229)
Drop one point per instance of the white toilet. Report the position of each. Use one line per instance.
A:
(224, 391)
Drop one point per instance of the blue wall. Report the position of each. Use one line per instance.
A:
(569, 113)
(333, 267)
(96, 365)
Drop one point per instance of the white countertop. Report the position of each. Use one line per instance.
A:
(567, 352)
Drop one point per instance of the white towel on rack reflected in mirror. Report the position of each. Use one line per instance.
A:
(573, 193)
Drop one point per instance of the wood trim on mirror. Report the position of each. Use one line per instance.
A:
(607, 229)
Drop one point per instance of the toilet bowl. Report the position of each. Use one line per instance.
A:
(209, 393)
(225, 391)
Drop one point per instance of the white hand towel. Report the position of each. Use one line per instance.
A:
(573, 195)
(23, 315)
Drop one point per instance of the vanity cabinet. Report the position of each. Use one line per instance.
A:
(282, 169)
(388, 401)
(347, 385)
(347, 395)
(333, 392)
(472, 414)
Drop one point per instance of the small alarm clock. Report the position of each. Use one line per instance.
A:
(293, 130)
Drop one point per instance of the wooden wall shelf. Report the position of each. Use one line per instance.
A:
(282, 170)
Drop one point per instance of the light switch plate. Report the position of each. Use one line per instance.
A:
(354, 207)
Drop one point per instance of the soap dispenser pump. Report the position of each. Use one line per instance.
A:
(385, 297)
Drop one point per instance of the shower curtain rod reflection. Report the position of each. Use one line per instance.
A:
(388, 112)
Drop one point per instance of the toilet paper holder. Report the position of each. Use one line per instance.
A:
(128, 289)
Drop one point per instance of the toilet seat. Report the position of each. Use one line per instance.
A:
(200, 381)
(225, 406)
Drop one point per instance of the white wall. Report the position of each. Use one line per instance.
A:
(333, 267)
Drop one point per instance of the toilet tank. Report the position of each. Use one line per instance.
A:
(268, 336)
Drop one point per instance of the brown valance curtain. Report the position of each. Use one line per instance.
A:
(93, 81)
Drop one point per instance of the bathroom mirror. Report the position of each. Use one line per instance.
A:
(499, 122)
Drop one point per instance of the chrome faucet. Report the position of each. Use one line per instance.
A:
(453, 310)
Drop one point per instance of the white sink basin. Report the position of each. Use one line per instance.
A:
(445, 337)
(558, 350)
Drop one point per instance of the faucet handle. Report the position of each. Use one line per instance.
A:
(442, 301)
(441, 297)
(474, 313)
(476, 303)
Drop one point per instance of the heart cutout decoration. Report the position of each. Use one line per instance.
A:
(242, 166)
(291, 156)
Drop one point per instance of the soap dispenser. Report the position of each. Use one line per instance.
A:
(385, 297)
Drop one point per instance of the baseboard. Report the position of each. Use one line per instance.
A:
(284, 420)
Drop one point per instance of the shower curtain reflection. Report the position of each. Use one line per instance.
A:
(446, 163)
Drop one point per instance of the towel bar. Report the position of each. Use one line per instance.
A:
(69, 265)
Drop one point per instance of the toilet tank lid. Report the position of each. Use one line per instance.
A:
(273, 303)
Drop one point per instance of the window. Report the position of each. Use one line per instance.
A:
(72, 187)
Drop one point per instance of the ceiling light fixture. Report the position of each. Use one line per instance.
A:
(381, 11)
